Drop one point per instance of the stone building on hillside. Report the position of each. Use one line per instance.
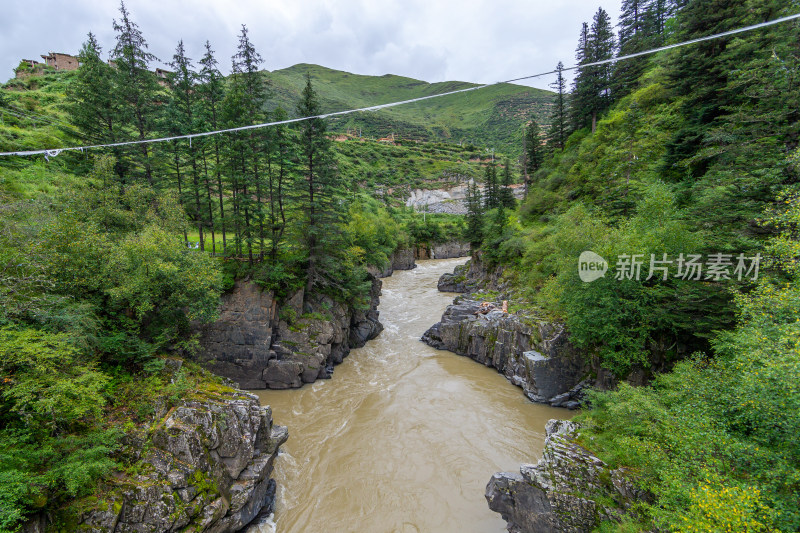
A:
(28, 67)
(61, 61)
(162, 76)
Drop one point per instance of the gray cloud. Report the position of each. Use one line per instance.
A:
(434, 40)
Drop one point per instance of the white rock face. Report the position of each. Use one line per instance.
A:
(451, 200)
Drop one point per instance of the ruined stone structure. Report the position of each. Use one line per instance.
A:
(61, 61)
(162, 76)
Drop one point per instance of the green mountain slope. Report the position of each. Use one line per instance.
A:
(490, 117)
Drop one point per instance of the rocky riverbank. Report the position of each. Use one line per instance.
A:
(568, 490)
(205, 466)
(401, 259)
(447, 250)
(471, 277)
(531, 353)
(260, 343)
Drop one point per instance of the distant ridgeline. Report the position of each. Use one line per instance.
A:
(492, 117)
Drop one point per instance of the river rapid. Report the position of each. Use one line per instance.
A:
(404, 437)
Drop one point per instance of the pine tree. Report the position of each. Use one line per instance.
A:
(657, 13)
(506, 193)
(534, 152)
(244, 106)
(320, 203)
(602, 44)
(557, 135)
(491, 196)
(136, 88)
(581, 97)
(212, 94)
(473, 232)
(183, 115)
(592, 90)
(92, 106)
(279, 171)
(642, 26)
(633, 37)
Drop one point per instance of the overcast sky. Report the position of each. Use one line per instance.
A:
(434, 40)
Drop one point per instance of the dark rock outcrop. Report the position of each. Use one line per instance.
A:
(205, 467)
(568, 490)
(450, 250)
(456, 281)
(472, 276)
(401, 259)
(259, 344)
(446, 250)
(532, 354)
(238, 344)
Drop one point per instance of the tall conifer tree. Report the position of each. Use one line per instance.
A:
(592, 86)
(136, 88)
(506, 193)
(212, 94)
(321, 202)
(534, 153)
(183, 117)
(491, 196)
(92, 106)
(559, 120)
(473, 231)
(244, 105)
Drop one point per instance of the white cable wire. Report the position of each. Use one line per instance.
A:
(56, 151)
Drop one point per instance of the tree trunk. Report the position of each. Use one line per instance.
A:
(180, 185)
(209, 204)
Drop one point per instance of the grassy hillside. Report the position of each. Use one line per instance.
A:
(683, 163)
(34, 118)
(490, 117)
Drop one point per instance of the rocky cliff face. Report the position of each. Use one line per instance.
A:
(472, 276)
(451, 200)
(445, 250)
(568, 490)
(406, 258)
(401, 259)
(531, 353)
(205, 467)
(259, 344)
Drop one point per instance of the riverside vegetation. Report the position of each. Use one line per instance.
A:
(111, 259)
(687, 151)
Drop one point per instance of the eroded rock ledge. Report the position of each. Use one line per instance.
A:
(533, 354)
(259, 344)
(564, 490)
(205, 467)
(471, 276)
